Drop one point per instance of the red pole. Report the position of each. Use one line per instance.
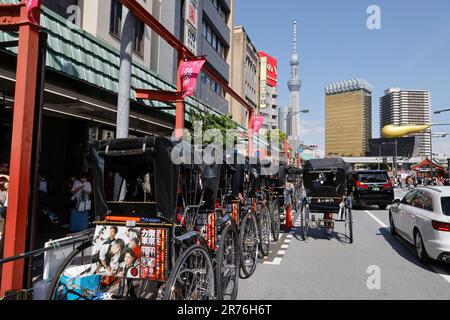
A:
(21, 150)
(179, 115)
(250, 134)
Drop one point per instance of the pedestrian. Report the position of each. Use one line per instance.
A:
(79, 217)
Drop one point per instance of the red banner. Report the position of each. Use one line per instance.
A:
(257, 122)
(190, 71)
(32, 13)
(287, 148)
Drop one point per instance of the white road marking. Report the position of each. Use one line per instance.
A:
(436, 269)
(276, 261)
(281, 252)
(284, 246)
(289, 236)
(376, 219)
(287, 241)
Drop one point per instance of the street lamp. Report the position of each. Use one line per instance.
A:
(441, 111)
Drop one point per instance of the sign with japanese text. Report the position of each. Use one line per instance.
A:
(190, 70)
(257, 122)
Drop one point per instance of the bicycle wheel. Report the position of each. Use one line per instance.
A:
(228, 264)
(248, 239)
(304, 227)
(349, 224)
(60, 288)
(192, 277)
(264, 230)
(275, 220)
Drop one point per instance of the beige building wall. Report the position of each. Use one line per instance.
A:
(96, 20)
(245, 75)
(348, 123)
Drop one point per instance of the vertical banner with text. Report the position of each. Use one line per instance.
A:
(190, 70)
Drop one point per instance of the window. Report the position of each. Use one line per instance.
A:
(138, 39)
(427, 200)
(408, 199)
(115, 25)
(445, 203)
(213, 39)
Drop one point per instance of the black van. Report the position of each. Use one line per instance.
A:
(371, 188)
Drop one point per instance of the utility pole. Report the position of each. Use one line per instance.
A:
(124, 95)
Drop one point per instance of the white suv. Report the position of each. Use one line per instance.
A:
(423, 219)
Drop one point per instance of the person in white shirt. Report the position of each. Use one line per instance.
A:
(81, 190)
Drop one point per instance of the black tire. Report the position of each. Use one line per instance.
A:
(228, 264)
(391, 225)
(349, 224)
(421, 252)
(382, 206)
(248, 240)
(182, 272)
(275, 220)
(264, 230)
(52, 290)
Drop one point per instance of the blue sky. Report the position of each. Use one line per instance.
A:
(411, 51)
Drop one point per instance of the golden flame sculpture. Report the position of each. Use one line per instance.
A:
(391, 131)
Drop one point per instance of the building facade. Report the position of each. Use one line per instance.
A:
(348, 123)
(268, 91)
(294, 85)
(245, 79)
(205, 27)
(408, 107)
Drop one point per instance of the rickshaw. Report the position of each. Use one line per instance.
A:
(256, 203)
(212, 219)
(280, 203)
(235, 203)
(140, 249)
(294, 178)
(325, 183)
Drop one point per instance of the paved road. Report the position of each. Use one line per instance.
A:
(330, 269)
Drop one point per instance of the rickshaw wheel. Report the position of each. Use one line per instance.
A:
(228, 264)
(349, 224)
(63, 267)
(304, 226)
(192, 277)
(275, 223)
(264, 223)
(248, 239)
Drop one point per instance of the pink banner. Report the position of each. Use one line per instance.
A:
(190, 71)
(257, 123)
(31, 6)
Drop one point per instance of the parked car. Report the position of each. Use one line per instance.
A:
(371, 188)
(422, 217)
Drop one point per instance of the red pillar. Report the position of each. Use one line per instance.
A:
(180, 112)
(21, 149)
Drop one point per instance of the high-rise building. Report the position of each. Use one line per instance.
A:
(268, 91)
(294, 85)
(205, 26)
(348, 114)
(245, 78)
(408, 107)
